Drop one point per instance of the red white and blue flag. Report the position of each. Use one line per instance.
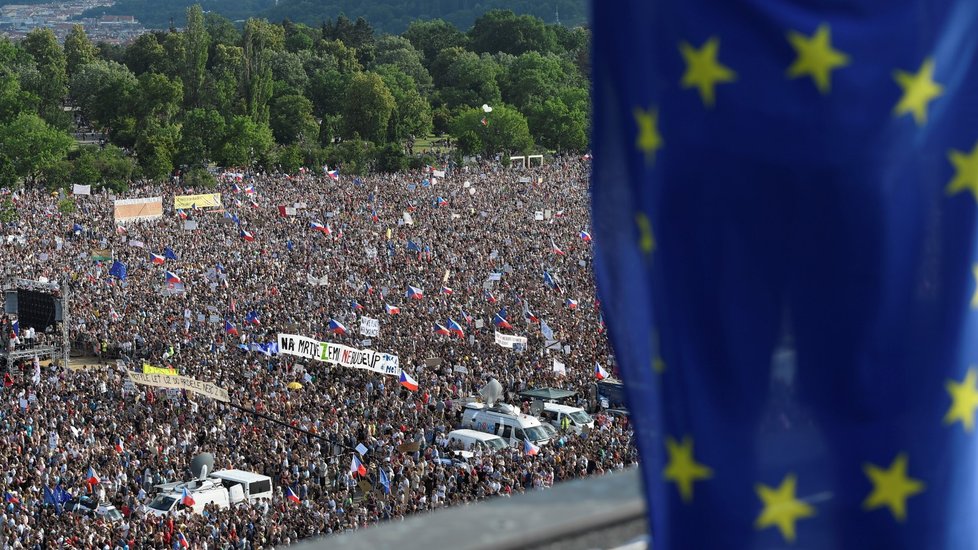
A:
(252, 318)
(455, 328)
(408, 382)
(468, 318)
(489, 297)
(93, 478)
(229, 328)
(172, 277)
(392, 310)
(446, 291)
(181, 214)
(187, 499)
(333, 174)
(290, 494)
(247, 235)
(529, 448)
(336, 327)
(414, 293)
(585, 236)
(557, 249)
(599, 372)
(355, 305)
(356, 467)
(157, 259)
(440, 329)
(182, 540)
(501, 322)
(118, 445)
(316, 226)
(529, 315)
(571, 304)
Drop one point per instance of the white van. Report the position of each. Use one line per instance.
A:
(203, 492)
(472, 440)
(578, 419)
(254, 487)
(506, 421)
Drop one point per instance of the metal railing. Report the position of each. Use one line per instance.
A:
(600, 512)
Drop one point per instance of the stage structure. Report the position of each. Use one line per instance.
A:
(42, 305)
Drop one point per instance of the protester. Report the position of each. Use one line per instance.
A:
(62, 425)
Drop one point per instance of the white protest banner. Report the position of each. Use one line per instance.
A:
(538, 215)
(180, 383)
(461, 369)
(525, 179)
(81, 189)
(137, 209)
(336, 354)
(438, 173)
(137, 244)
(510, 341)
(408, 219)
(369, 327)
(559, 368)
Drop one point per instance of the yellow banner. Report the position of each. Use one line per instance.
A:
(181, 383)
(150, 369)
(183, 202)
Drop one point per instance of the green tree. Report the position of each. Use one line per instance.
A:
(412, 113)
(289, 158)
(288, 73)
(291, 120)
(504, 31)
(390, 159)
(79, 50)
(533, 77)
(159, 97)
(246, 142)
(299, 37)
(221, 31)
(197, 45)
(326, 89)
(223, 81)
(201, 135)
(13, 99)
(260, 37)
(52, 83)
(145, 54)
(557, 126)
(368, 107)
(8, 210)
(103, 90)
(431, 37)
(464, 79)
(505, 130)
(30, 145)
(155, 148)
(397, 51)
(199, 178)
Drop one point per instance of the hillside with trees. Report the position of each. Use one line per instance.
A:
(285, 96)
(388, 16)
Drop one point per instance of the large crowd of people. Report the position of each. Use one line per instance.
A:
(444, 235)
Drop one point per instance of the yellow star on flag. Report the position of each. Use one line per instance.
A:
(703, 71)
(964, 400)
(646, 237)
(891, 487)
(974, 297)
(816, 57)
(649, 140)
(781, 508)
(965, 172)
(918, 90)
(683, 468)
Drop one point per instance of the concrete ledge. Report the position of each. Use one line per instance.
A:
(599, 512)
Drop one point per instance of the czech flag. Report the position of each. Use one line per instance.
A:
(414, 292)
(374, 216)
(157, 259)
(392, 310)
(489, 297)
(455, 328)
(229, 328)
(468, 318)
(556, 248)
(440, 329)
(183, 541)
(316, 226)
(529, 315)
(441, 201)
(236, 188)
(599, 372)
(187, 499)
(356, 467)
(92, 476)
(571, 304)
(501, 322)
(327, 230)
(181, 214)
(254, 204)
(368, 287)
(290, 494)
(252, 318)
(172, 277)
(585, 236)
(355, 305)
(333, 175)
(336, 327)
(118, 445)
(247, 236)
(250, 190)
(446, 291)
(408, 382)
(529, 448)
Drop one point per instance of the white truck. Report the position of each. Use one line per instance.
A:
(224, 488)
(506, 421)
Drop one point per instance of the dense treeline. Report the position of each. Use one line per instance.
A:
(282, 96)
(388, 16)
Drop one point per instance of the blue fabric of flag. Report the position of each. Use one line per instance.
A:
(784, 198)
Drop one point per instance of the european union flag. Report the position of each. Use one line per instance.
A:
(792, 296)
(118, 270)
(170, 254)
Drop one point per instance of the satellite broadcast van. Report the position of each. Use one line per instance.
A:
(254, 487)
(578, 421)
(203, 492)
(506, 421)
(472, 440)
